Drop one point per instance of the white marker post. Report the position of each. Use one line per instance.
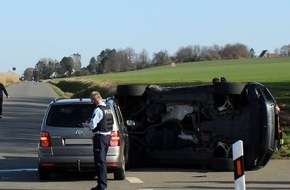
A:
(238, 158)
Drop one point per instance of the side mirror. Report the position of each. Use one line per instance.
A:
(130, 123)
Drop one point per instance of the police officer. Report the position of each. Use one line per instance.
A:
(101, 139)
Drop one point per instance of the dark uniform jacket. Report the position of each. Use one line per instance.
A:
(102, 125)
(2, 89)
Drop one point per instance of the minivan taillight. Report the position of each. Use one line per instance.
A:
(115, 138)
(45, 139)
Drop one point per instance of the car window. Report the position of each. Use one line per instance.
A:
(118, 114)
(110, 119)
(265, 94)
(71, 115)
(268, 95)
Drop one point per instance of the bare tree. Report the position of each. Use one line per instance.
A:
(285, 50)
(143, 60)
(276, 51)
(196, 51)
(28, 73)
(130, 60)
(122, 60)
(235, 51)
(215, 52)
(161, 58)
(210, 53)
(131, 54)
(77, 65)
(185, 54)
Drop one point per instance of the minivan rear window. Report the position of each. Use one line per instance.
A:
(71, 115)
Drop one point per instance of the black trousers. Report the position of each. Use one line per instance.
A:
(101, 145)
(1, 102)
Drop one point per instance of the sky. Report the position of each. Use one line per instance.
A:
(35, 29)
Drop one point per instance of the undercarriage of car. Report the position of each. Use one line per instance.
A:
(197, 124)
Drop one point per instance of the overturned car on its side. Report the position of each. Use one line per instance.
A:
(198, 124)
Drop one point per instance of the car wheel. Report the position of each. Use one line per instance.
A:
(131, 90)
(44, 174)
(222, 164)
(119, 173)
(224, 88)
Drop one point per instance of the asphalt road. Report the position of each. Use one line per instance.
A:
(19, 133)
(20, 125)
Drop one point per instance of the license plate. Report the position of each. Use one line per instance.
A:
(78, 141)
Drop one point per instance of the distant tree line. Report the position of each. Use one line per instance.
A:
(112, 60)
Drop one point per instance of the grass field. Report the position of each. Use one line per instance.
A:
(265, 70)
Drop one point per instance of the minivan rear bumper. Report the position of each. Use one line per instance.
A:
(77, 163)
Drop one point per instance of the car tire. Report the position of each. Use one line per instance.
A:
(44, 174)
(119, 173)
(131, 90)
(225, 88)
(222, 164)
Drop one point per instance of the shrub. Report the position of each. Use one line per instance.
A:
(284, 151)
(9, 78)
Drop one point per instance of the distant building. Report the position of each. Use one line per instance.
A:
(53, 75)
(263, 53)
(266, 53)
(272, 55)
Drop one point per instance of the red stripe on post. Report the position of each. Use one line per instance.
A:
(239, 167)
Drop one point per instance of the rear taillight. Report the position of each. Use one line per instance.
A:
(45, 139)
(115, 138)
(278, 108)
(279, 133)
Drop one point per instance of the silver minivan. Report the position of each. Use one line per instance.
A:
(66, 146)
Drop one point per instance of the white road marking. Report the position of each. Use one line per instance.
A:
(134, 180)
(19, 170)
(130, 179)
